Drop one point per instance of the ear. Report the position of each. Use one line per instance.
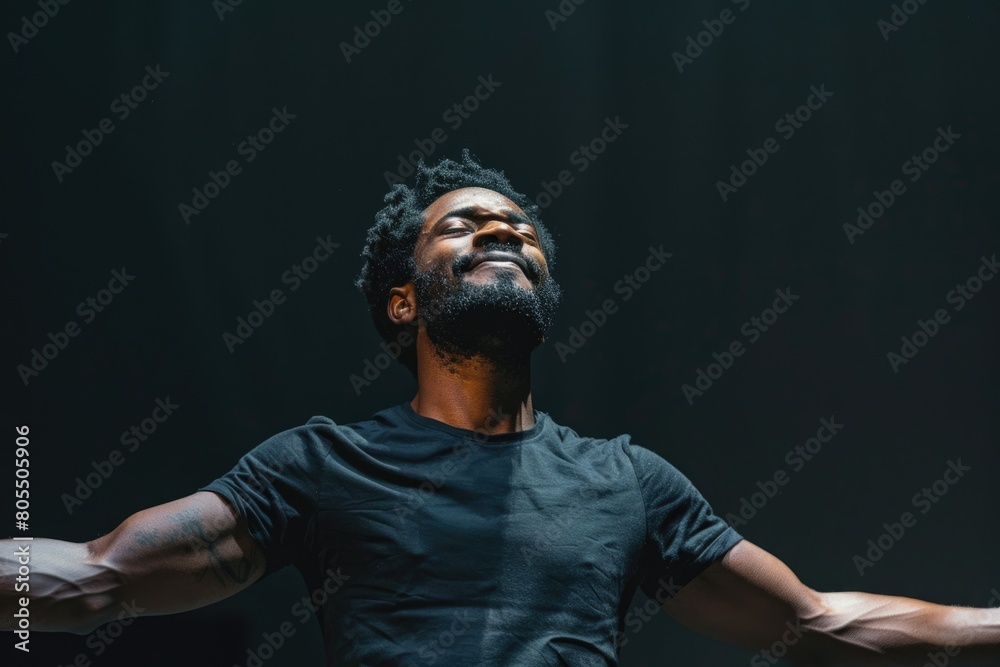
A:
(402, 306)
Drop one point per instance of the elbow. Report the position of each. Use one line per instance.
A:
(83, 600)
(829, 635)
(801, 633)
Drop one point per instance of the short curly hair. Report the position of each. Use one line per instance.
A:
(391, 241)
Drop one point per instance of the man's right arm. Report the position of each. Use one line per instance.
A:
(170, 558)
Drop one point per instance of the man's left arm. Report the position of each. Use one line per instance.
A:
(752, 599)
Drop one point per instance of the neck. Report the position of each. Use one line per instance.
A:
(475, 393)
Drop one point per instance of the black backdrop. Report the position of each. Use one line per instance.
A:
(685, 114)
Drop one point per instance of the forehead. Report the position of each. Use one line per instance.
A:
(467, 197)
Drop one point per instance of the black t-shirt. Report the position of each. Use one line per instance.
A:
(423, 543)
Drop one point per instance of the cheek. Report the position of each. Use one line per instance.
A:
(543, 267)
(443, 257)
(438, 266)
(425, 260)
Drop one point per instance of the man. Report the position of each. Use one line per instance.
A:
(464, 527)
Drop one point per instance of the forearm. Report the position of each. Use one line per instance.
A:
(859, 626)
(66, 590)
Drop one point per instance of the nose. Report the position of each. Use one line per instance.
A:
(497, 232)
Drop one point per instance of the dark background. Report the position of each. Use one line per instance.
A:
(656, 184)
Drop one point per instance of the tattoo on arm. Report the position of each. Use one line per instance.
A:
(189, 528)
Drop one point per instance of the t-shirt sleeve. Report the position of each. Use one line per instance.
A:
(275, 488)
(683, 534)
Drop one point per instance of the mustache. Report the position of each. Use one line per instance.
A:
(532, 269)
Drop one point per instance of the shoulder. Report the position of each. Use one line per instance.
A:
(657, 476)
(569, 438)
(324, 429)
(645, 460)
(651, 472)
(620, 446)
(617, 454)
(309, 446)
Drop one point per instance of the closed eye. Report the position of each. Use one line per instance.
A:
(528, 233)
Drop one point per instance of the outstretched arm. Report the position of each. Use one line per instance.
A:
(752, 599)
(171, 558)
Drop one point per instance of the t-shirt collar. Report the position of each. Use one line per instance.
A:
(407, 411)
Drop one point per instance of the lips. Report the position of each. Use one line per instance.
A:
(499, 257)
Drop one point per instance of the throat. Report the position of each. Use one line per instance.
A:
(475, 392)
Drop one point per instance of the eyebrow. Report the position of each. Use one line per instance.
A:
(473, 212)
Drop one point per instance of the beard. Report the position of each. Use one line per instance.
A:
(497, 321)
